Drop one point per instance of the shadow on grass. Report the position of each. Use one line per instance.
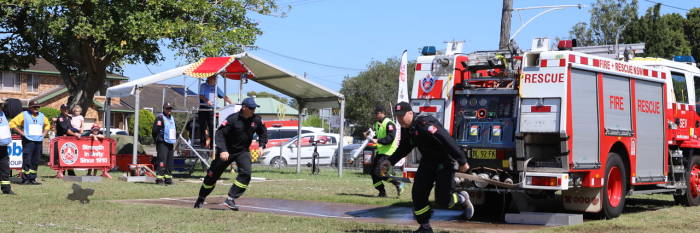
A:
(636, 205)
(356, 194)
(384, 231)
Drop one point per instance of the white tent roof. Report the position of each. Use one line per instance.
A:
(265, 73)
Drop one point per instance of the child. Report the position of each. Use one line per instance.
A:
(95, 134)
(77, 120)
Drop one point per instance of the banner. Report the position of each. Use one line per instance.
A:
(70, 152)
(402, 94)
(403, 78)
(14, 150)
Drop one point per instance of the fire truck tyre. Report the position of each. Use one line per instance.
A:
(614, 188)
(691, 197)
(278, 162)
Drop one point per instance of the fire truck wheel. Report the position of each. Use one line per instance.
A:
(691, 197)
(615, 187)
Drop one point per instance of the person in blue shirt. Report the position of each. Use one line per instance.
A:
(207, 101)
(5, 140)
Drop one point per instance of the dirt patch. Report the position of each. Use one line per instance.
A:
(442, 219)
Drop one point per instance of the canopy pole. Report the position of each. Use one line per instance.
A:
(240, 90)
(136, 125)
(299, 116)
(213, 118)
(108, 115)
(342, 134)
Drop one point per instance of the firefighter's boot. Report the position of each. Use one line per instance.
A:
(399, 189)
(199, 203)
(159, 179)
(467, 204)
(424, 228)
(231, 204)
(168, 180)
(6, 188)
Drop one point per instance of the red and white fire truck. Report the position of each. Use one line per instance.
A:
(589, 124)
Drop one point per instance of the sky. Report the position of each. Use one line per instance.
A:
(327, 40)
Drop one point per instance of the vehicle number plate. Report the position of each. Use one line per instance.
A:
(483, 154)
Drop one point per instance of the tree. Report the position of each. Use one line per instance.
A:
(85, 39)
(692, 31)
(315, 121)
(377, 85)
(664, 35)
(50, 113)
(608, 18)
(146, 119)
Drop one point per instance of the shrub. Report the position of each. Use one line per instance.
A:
(146, 119)
(50, 113)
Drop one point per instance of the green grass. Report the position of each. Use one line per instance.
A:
(45, 208)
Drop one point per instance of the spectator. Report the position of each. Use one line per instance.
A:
(77, 120)
(95, 134)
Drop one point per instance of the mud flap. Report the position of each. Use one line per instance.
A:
(583, 200)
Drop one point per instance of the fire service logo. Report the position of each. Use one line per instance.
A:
(69, 153)
(427, 83)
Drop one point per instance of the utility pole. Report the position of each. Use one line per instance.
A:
(505, 24)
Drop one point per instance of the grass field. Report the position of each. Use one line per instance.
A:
(45, 208)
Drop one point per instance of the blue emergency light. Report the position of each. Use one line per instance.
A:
(686, 58)
(428, 50)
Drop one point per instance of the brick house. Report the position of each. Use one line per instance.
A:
(41, 82)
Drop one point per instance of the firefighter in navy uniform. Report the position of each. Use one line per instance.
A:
(233, 138)
(165, 135)
(5, 140)
(32, 125)
(64, 128)
(441, 158)
(386, 141)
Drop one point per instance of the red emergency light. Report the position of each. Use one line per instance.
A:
(566, 44)
(541, 109)
(544, 181)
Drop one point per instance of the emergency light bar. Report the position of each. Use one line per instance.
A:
(428, 50)
(686, 58)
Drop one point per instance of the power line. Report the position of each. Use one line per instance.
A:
(307, 61)
(663, 4)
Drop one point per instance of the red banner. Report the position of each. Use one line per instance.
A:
(70, 152)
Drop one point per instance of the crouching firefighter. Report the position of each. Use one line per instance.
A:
(386, 141)
(233, 138)
(165, 136)
(441, 158)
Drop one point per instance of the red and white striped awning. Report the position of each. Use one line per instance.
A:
(228, 67)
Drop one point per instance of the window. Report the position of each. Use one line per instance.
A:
(32, 83)
(680, 89)
(10, 81)
(697, 89)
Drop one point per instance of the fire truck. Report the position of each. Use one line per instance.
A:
(584, 125)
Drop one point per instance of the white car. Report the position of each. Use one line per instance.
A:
(286, 154)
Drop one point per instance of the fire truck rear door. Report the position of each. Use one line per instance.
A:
(584, 116)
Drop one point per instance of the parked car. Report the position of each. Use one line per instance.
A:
(349, 159)
(286, 154)
(115, 131)
(277, 136)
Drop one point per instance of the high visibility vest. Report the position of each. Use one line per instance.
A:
(380, 129)
(34, 126)
(169, 133)
(5, 136)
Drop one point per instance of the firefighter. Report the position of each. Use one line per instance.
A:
(64, 128)
(34, 126)
(165, 136)
(5, 139)
(386, 141)
(441, 158)
(207, 100)
(233, 139)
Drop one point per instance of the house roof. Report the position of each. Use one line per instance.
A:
(44, 67)
(60, 90)
(268, 105)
